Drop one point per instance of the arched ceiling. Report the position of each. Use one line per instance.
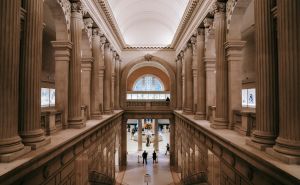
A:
(148, 22)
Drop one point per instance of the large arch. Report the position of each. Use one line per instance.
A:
(61, 11)
(141, 61)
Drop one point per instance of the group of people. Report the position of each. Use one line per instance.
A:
(154, 155)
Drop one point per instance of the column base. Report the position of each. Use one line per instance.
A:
(35, 146)
(283, 157)
(199, 116)
(96, 116)
(261, 140)
(4, 158)
(187, 111)
(256, 145)
(76, 123)
(34, 138)
(219, 123)
(107, 112)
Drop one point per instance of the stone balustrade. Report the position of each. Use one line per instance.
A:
(72, 154)
(224, 157)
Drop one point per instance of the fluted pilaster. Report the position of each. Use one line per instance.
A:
(266, 106)
(188, 80)
(221, 120)
(201, 76)
(113, 78)
(95, 93)
(288, 141)
(75, 118)
(107, 79)
(11, 146)
(193, 41)
(30, 77)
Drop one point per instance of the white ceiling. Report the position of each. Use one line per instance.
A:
(148, 22)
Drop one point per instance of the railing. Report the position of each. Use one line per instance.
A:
(51, 121)
(147, 105)
(96, 178)
(147, 95)
(197, 178)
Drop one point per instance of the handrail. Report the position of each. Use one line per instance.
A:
(200, 177)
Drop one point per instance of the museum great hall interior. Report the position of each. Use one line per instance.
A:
(87, 86)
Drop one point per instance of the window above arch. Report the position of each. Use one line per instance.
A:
(148, 83)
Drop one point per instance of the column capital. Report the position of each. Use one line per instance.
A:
(218, 7)
(201, 31)
(107, 45)
(88, 23)
(76, 7)
(96, 32)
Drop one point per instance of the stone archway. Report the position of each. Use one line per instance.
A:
(165, 66)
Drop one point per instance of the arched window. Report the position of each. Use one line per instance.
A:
(148, 83)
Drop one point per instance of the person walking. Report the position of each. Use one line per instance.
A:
(168, 149)
(144, 155)
(154, 157)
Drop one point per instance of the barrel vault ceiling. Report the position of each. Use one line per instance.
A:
(148, 23)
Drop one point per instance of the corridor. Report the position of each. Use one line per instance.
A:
(160, 172)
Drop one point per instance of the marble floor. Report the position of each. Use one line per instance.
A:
(160, 172)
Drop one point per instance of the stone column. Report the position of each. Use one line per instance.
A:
(101, 74)
(113, 78)
(30, 77)
(201, 76)
(179, 82)
(194, 71)
(234, 56)
(221, 120)
(156, 136)
(288, 141)
(62, 56)
(210, 62)
(11, 146)
(95, 93)
(140, 136)
(267, 106)
(117, 83)
(188, 80)
(182, 78)
(75, 118)
(107, 79)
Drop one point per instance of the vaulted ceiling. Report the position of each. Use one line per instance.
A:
(148, 22)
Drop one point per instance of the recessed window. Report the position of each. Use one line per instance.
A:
(148, 83)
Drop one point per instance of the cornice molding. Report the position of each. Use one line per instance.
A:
(201, 12)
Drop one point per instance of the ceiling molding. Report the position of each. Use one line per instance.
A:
(99, 18)
(201, 12)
